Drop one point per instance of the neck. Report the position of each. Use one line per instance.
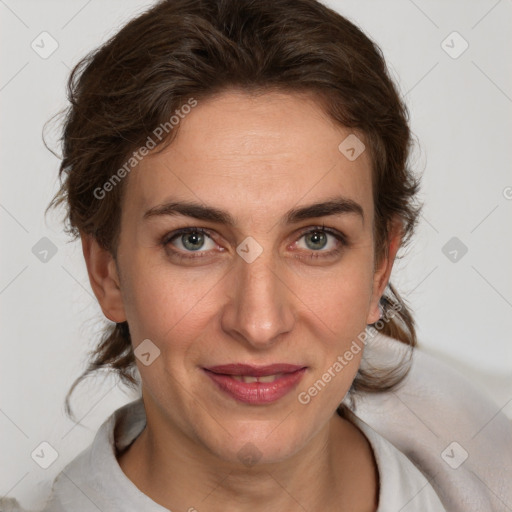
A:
(180, 474)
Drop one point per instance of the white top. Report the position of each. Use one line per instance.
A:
(435, 439)
(94, 480)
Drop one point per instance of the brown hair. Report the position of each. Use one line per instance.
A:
(182, 49)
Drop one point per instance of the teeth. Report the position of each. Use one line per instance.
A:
(269, 378)
(249, 379)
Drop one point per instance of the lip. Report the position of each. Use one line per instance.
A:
(256, 393)
(256, 371)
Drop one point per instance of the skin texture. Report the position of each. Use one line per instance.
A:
(255, 157)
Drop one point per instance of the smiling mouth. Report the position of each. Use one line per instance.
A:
(256, 385)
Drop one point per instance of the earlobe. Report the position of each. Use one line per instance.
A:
(375, 313)
(104, 278)
(383, 272)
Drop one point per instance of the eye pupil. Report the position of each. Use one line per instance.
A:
(196, 241)
(318, 239)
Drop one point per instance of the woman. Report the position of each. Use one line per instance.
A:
(237, 173)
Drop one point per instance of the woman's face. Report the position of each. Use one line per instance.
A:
(262, 283)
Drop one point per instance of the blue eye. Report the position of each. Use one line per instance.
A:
(190, 240)
(191, 243)
(318, 240)
(322, 242)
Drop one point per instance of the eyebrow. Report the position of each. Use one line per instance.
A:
(335, 206)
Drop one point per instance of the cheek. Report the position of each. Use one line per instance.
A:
(173, 308)
(337, 309)
(339, 296)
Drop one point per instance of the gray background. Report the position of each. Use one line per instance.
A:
(460, 113)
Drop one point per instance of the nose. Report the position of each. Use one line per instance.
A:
(260, 307)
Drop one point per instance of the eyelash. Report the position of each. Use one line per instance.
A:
(168, 238)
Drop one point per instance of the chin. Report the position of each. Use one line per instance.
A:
(268, 445)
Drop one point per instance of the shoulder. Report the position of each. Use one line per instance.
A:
(457, 437)
(11, 505)
(401, 485)
(93, 480)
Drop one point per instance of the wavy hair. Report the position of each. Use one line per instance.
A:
(180, 49)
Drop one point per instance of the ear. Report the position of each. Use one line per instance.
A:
(383, 269)
(104, 278)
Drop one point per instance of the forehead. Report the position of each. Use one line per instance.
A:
(253, 153)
